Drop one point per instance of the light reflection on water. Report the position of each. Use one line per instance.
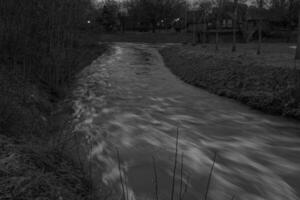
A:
(130, 101)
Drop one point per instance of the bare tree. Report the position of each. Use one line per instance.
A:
(204, 7)
(297, 57)
(235, 19)
(218, 22)
(147, 13)
(260, 23)
(186, 15)
(194, 28)
(204, 29)
(109, 14)
(42, 35)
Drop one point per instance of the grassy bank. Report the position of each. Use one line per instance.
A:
(34, 134)
(43, 44)
(269, 82)
(170, 36)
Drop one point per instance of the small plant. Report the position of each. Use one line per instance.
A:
(183, 187)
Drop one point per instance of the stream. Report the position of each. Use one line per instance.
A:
(128, 102)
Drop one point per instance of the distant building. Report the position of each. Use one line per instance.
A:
(197, 22)
(274, 22)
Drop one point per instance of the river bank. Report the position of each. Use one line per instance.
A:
(35, 133)
(269, 82)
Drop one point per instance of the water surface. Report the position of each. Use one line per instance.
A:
(128, 100)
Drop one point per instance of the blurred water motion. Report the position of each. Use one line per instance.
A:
(130, 101)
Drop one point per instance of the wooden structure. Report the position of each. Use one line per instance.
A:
(200, 24)
(274, 23)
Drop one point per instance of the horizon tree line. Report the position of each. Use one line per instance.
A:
(156, 14)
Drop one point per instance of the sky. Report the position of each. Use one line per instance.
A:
(188, 0)
(247, 1)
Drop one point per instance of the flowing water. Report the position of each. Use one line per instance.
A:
(128, 101)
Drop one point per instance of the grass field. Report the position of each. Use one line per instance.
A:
(273, 54)
(269, 82)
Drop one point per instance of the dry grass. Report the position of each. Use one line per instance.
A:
(30, 167)
(36, 171)
(32, 146)
(42, 46)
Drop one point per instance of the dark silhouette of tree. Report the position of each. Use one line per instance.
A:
(234, 27)
(148, 13)
(260, 24)
(218, 22)
(204, 7)
(39, 38)
(109, 14)
(297, 57)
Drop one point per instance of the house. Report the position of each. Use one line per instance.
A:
(207, 24)
(274, 23)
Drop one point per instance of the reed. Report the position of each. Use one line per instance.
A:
(210, 176)
(181, 177)
(185, 187)
(175, 166)
(121, 176)
(155, 178)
